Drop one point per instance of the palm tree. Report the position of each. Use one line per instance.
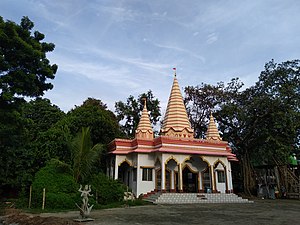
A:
(84, 154)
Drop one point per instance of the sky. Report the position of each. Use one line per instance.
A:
(110, 49)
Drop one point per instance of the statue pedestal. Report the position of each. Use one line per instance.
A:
(84, 220)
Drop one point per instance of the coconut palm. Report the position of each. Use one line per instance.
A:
(84, 154)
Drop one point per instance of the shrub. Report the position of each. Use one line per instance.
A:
(107, 190)
(61, 189)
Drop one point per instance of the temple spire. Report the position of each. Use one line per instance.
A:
(144, 129)
(176, 122)
(212, 130)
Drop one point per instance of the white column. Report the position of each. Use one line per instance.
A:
(180, 178)
(200, 180)
(163, 176)
(116, 169)
(212, 172)
(172, 180)
(229, 177)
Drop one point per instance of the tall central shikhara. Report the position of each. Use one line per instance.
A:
(176, 122)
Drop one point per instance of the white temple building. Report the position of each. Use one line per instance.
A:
(175, 161)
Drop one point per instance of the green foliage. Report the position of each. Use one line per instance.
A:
(24, 67)
(103, 123)
(14, 136)
(42, 115)
(61, 188)
(108, 190)
(60, 200)
(132, 109)
(205, 98)
(84, 155)
(24, 71)
(261, 123)
(53, 143)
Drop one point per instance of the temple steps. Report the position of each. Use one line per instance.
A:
(194, 198)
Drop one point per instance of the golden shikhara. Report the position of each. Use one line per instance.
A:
(144, 129)
(212, 130)
(176, 122)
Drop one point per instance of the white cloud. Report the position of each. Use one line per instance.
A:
(98, 72)
(211, 38)
(179, 49)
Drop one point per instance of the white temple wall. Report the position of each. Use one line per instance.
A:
(145, 161)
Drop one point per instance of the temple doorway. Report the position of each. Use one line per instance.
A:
(124, 174)
(190, 181)
(158, 179)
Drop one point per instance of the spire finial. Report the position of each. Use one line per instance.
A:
(144, 99)
(174, 71)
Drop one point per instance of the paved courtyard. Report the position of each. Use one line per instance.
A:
(261, 212)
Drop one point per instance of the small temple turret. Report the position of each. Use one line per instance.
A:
(144, 129)
(212, 130)
(176, 122)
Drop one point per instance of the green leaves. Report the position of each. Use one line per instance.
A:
(84, 155)
(261, 122)
(130, 112)
(205, 98)
(24, 68)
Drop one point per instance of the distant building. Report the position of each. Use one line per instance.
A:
(175, 161)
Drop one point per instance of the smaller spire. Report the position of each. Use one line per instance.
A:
(144, 129)
(212, 130)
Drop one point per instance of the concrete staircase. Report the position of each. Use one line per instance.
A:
(194, 198)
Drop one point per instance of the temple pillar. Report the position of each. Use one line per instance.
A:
(180, 178)
(226, 178)
(213, 182)
(116, 170)
(163, 176)
(172, 180)
(200, 182)
(229, 178)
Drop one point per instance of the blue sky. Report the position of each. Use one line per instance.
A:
(110, 49)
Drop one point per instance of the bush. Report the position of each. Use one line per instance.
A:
(107, 190)
(61, 189)
(60, 200)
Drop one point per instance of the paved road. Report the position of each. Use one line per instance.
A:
(261, 212)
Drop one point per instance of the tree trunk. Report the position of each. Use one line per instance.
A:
(248, 174)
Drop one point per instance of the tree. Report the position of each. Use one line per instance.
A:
(24, 68)
(203, 99)
(94, 114)
(61, 188)
(84, 155)
(130, 112)
(262, 123)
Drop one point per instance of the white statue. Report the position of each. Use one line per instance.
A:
(85, 208)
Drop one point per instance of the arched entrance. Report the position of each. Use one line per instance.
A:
(157, 175)
(124, 173)
(190, 181)
(171, 175)
(220, 177)
(158, 179)
(192, 174)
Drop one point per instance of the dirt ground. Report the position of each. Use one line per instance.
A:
(260, 212)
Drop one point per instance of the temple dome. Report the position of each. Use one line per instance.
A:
(176, 122)
(212, 130)
(144, 129)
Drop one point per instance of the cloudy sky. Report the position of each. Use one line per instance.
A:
(110, 49)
